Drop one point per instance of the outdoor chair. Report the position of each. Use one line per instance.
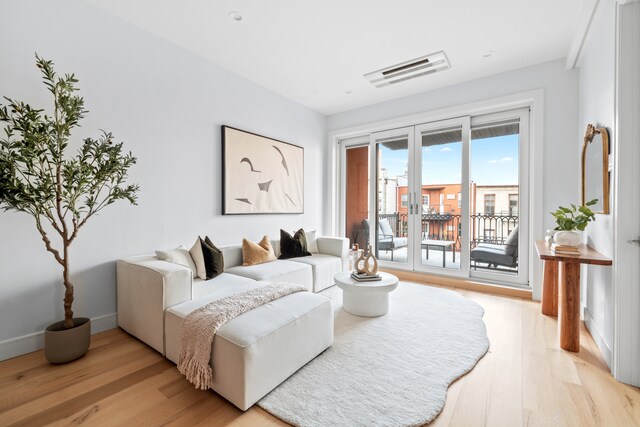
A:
(386, 238)
(496, 256)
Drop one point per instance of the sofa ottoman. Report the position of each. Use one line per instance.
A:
(254, 352)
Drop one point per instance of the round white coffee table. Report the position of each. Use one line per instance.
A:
(367, 299)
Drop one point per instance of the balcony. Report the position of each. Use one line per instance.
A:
(438, 226)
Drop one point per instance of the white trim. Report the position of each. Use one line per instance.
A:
(584, 25)
(626, 226)
(533, 99)
(464, 123)
(524, 177)
(373, 190)
(597, 336)
(18, 346)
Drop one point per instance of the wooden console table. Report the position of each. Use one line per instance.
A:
(561, 289)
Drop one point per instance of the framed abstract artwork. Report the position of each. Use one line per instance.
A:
(260, 175)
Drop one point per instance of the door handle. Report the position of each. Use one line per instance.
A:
(417, 201)
(410, 204)
(634, 242)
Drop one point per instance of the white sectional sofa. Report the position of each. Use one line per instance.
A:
(254, 352)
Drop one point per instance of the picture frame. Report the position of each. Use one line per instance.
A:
(260, 175)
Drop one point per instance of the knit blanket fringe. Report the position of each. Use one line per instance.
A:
(201, 325)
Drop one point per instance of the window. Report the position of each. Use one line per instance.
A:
(403, 200)
(513, 204)
(425, 203)
(459, 200)
(489, 204)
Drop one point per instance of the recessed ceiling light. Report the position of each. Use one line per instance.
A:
(488, 54)
(236, 16)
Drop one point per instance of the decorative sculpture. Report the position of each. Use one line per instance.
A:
(366, 263)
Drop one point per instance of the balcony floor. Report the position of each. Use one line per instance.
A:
(435, 259)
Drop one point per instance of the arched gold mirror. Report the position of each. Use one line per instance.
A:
(595, 168)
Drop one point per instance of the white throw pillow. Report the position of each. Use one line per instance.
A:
(312, 241)
(179, 255)
(385, 228)
(198, 258)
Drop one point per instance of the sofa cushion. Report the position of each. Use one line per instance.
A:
(312, 241)
(489, 253)
(213, 258)
(232, 255)
(218, 284)
(277, 271)
(257, 253)
(293, 246)
(385, 227)
(512, 242)
(324, 268)
(198, 258)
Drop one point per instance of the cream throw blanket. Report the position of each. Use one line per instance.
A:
(201, 325)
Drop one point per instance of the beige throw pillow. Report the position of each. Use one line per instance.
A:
(198, 258)
(257, 253)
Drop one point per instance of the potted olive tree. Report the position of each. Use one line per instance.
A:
(60, 190)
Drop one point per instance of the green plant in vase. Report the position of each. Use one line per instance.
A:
(571, 220)
(59, 190)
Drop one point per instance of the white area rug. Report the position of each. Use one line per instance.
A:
(392, 370)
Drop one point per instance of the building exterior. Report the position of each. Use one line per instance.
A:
(494, 211)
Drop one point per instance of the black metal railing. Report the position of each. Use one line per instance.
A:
(484, 228)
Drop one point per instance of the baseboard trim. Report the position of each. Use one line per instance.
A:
(18, 346)
(454, 282)
(590, 323)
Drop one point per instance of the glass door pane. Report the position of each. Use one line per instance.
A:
(442, 148)
(393, 196)
(497, 236)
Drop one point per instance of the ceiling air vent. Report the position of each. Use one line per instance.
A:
(409, 70)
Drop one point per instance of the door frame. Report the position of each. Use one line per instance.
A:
(373, 191)
(529, 99)
(524, 178)
(465, 124)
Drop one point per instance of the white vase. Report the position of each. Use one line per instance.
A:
(567, 238)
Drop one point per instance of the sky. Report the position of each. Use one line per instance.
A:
(493, 161)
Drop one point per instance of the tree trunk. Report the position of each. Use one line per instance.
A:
(68, 294)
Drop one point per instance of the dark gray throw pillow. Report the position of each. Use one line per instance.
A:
(293, 247)
(512, 242)
(213, 258)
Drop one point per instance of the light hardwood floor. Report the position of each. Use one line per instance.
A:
(524, 380)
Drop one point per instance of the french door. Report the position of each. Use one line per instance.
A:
(446, 197)
(441, 187)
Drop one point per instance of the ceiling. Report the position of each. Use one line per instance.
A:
(316, 52)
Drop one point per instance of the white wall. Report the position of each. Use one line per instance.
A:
(560, 175)
(168, 106)
(596, 105)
